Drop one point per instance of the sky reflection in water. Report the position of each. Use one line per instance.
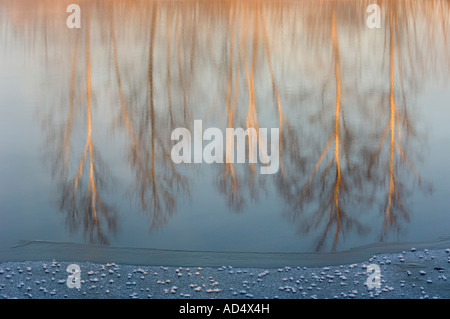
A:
(87, 117)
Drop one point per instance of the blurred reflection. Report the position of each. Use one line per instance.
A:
(83, 207)
(392, 169)
(341, 94)
(157, 181)
(334, 180)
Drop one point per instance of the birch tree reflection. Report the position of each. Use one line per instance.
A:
(158, 185)
(390, 166)
(245, 56)
(84, 207)
(341, 95)
(333, 180)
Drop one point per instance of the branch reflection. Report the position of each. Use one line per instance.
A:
(341, 94)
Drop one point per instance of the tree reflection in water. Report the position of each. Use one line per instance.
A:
(340, 93)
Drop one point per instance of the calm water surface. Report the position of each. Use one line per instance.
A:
(87, 116)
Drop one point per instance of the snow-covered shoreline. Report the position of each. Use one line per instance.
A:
(411, 274)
